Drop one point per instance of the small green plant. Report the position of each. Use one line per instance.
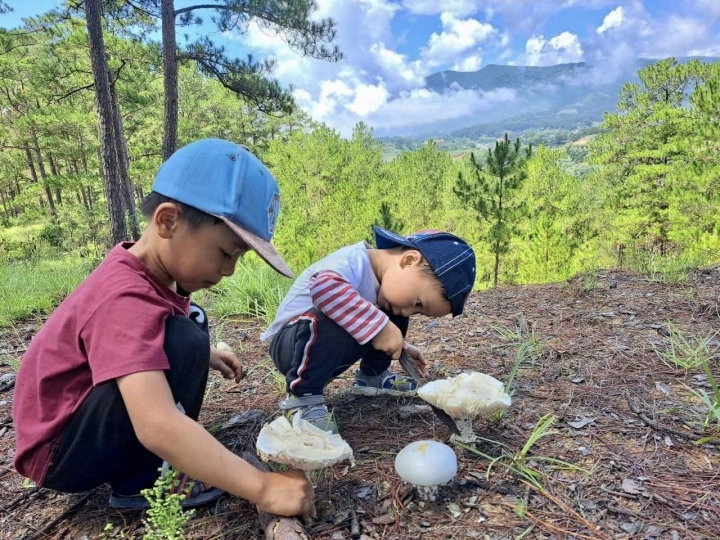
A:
(110, 532)
(518, 465)
(520, 508)
(589, 280)
(529, 346)
(685, 352)
(166, 518)
(28, 484)
(522, 353)
(523, 335)
(13, 362)
(691, 353)
(675, 269)
(711, 402)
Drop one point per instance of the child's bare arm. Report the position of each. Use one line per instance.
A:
(389, 340)
(188, 447)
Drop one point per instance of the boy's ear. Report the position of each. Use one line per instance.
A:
(165, 218)
(410, 258)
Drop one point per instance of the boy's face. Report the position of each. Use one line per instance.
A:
(200, 257)
(409, 288)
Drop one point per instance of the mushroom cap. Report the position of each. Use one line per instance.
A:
(467, 395)
(301, 445)
(426, 463)
(223, 346)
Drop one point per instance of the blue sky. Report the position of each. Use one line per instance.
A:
(391, 45)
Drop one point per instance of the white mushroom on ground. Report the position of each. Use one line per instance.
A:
(224, 346)
(465, 397)
(301, 445)
(426, 465)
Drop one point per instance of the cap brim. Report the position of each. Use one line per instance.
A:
(263, 248)
(385, 239)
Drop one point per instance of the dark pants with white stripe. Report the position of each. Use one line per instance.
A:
(99, 445)
(313, 349)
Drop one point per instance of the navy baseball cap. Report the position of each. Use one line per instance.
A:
(226, 180)
(450, 257)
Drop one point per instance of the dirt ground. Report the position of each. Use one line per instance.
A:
(625, 420)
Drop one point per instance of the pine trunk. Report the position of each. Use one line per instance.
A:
(123, 167)
(170, 79)
(111, 178)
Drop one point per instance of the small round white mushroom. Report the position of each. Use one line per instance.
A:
(466, 397)
(426, 465)
(223, 346)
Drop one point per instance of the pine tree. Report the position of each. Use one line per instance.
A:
(491, 192)
(645, 154)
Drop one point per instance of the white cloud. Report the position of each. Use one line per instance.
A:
(563, 48)
(368, 99)
(470, 63)
(397, 67)
(611, 20)
(516, 14)
(418, 108)
(630, 31)
(459, 8)
(709, 7)
(458, 36)
(381, 79)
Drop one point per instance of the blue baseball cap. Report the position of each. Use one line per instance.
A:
(450, 257)
(226, 180)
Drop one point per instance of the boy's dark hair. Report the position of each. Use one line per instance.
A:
(195, 218)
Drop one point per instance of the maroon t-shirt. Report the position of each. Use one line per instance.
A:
(112, 325)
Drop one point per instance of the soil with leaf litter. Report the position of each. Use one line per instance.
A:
(633, 459)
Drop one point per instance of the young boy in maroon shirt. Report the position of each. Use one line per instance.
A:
(110, 388)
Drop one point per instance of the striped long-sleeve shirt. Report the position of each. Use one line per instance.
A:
(341, 285)
(337, 299)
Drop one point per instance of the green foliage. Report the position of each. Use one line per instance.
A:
(670, 269)
(519, 464)
(52, 234)
(32, 287)
(552, 230)
(323, 179)
(491, 192)
(166, 518)
(685, 353)
(254, 289)
(111, 532)
(692, 353)
(387, 221)
(659, 162)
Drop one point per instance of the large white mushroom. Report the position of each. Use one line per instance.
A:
(301, 445)
(465, 397)
(426, 465)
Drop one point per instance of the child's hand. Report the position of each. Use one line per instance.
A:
(417, 356)
(289, 493)
(389, 340)
(226, 363)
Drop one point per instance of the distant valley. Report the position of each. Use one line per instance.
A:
(566, 97)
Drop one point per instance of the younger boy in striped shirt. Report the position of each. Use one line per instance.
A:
(355, 305)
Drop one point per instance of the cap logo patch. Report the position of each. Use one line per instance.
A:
(273, 210)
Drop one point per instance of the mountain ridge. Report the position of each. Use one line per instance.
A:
(568, 96)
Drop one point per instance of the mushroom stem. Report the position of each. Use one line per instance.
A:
(467, 435)
(427, 493)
